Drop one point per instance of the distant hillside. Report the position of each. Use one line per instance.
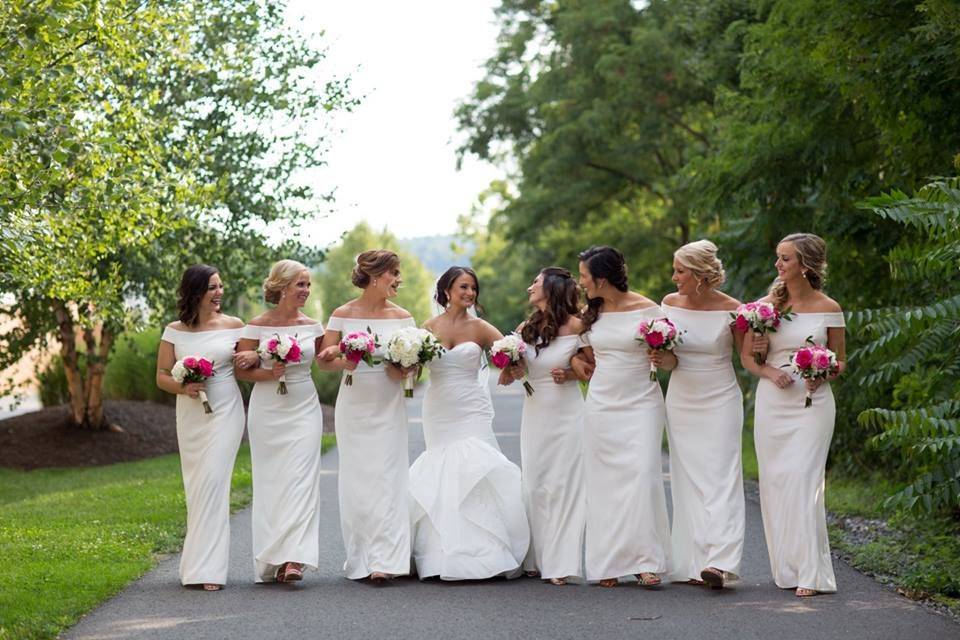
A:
(437, 252)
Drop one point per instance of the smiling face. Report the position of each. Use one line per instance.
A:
(589, 285)
(214, 295)
(389, 282)
(463, 291)
(535, 294)
(788, 262)
(684, 279)
(299, 290)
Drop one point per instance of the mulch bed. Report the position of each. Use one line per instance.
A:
(43, 439)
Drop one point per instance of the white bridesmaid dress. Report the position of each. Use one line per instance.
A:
(627, 530)
(466, 507)
(285, 435)
(551, 453)
(792, 446)
(208, 444)
(704, 425)
(371, 424)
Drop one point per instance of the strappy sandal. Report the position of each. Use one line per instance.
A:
(806, 593)
(378, 577)
(532, 574)
(289, 572)
(559, 582)
(609, 583)
(647, 579)
(713, 577)
(209, 586)
(694, 582)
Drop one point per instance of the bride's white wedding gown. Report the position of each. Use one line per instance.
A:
(466, 506)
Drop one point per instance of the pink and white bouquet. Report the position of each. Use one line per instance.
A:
(357, 347)
(194, 369)
(813, 362)
(281, 348)
(659, 334)
(409, 347)
(759, 317)
(509, 351)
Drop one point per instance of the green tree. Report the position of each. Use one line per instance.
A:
(333, 276)
(917, 347)
(136, 138)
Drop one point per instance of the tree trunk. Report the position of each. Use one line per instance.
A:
(96, 372)
(71, 363)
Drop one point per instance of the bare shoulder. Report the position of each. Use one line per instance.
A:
(826, 304)
(766, 298)
(573, 326)
(305, 320)
(397, 312)
(343, 311)
(672, 299)
(262, 320)
(636, 302)
(231, 322)
(431, 324)
(177, 325)
(728, 303)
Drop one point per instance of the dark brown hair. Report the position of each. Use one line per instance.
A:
(371, 264)
(542, 326)
(446, 281)
(606, 263)
(193, 286)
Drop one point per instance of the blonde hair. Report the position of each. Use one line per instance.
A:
(371, 264)
(812, 254)
(700, 257)
(282, 273)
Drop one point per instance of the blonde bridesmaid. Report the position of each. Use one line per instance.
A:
(704, 421)
(793, 441)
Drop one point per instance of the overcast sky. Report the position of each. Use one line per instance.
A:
(394, 163)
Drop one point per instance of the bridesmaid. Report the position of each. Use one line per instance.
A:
(208, 442)
(627, 531)
(793, 441)
(284, 433)
(551, 430)
(704, 421)
(371, 424)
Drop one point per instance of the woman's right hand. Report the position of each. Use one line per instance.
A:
(778, 377)
(582, 368)
(278, 370)
(346, 365)
(193, 389)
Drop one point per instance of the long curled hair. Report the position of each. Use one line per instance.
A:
(812, 254)
(193, 286)
(606, 263)
(446, 281)
(542, 326)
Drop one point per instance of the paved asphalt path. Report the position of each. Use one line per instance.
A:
(327, 605)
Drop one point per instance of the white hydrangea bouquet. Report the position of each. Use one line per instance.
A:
(509, 351)
(411, 346)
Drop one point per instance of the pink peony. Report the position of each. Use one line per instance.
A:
(742, 325)
(822, 361)
(206, 367)
(293, 355)
(190, 362)
(751, 306)
(804, 358)
(654, 339)
(272, 345)
(354, 356)
(500, 360)
(765, 312)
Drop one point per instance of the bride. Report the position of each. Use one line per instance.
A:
(467, 511)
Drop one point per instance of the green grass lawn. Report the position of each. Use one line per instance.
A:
(71, 538)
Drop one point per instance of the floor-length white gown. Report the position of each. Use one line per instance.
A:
(371, 424)
(551, 454)
(208, 444)
(704, 425)
(627, 530)
(466, 505)
(285, 437)
(792, 446)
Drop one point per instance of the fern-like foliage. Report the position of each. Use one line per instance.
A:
(918, 348)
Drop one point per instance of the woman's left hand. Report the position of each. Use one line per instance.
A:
(245, 359)
(329, 354)
(813, 384)
(559, 375)
(656, 357)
